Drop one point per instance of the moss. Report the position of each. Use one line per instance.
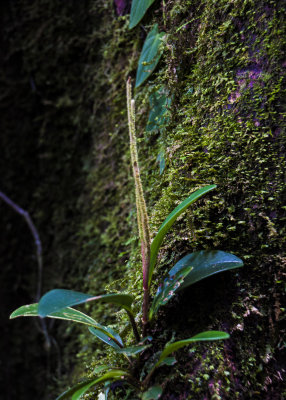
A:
(223, 67)
(227, 83)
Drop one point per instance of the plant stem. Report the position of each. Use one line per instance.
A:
(146, 381)
(134, 326)
(142, 216)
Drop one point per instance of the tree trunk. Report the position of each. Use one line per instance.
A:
(65, 159)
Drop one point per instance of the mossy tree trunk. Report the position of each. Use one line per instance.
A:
(65, 158)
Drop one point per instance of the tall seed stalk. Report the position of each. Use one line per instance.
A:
(142, 216)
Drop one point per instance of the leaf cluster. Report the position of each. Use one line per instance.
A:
(192, 268)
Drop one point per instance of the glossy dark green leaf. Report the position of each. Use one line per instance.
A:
(205, 263)
(69, 314)
(150, 55)
(168, 289)
(138, 10)
(111, 333)
(57, 299)
(153, 393)
(108, 336)
(132, 350)
(203, 336)
(169, 221)
(75, 392)
(158, 116)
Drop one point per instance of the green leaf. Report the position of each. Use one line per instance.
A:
(107, 335)
(161, 160)
(149, 338)
(169, 221)
(29, 310)
(106, 389)
(75, 392)
(153, 393)
(69, 314)
(168, 289)
(150, 55)
(203, 336)
(132, 350)
(158, 116)
(138, 9)
(205, 263)
(57, 299)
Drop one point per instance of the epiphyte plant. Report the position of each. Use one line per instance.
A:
(58, 303)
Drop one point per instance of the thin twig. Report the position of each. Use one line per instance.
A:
(37, 240)
(36, 237)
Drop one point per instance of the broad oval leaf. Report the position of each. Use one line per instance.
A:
(108, 336)
(132, 350)
(168, 289)
(159, 105)
(69, 314)
(205, 263)
(150, 55)
(138, 10)
(153, 393)
(200, 337)
(169, 221)
(57, 299)
(75, 392)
